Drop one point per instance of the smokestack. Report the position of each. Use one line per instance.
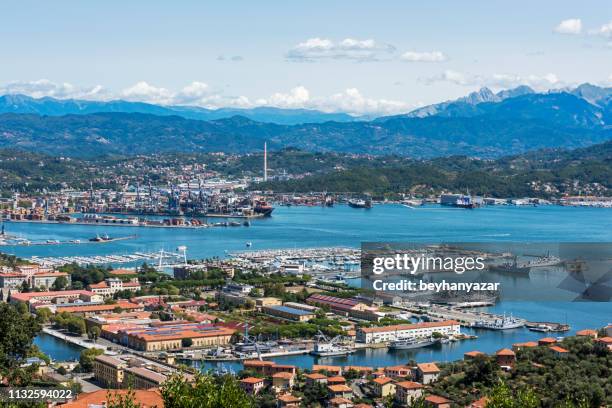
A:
(265, 161)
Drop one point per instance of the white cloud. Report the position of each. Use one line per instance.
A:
(296, 98)
(43, 87)
(144, 92)
(497, 80)
(432, 56)
(569, 26)
(605, 30)
(350, 100)
(318, 49)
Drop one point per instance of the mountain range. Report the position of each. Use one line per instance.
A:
(483, 124)
(57, 107)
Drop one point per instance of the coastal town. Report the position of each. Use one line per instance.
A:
(306, 205)
(139, 328)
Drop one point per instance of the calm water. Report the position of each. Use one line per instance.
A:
(318, 226)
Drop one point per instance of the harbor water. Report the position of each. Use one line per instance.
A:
(293, 227)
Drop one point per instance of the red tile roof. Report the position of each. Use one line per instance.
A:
(436, 399)
(410, 385)
(145, 398)
(428, 368)
(252, 380)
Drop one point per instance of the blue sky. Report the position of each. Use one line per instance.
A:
(355, 56)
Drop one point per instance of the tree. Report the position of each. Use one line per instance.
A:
(186, 342)
(17, 332)
(87, 357)
(94, 333)
(60, 283)
(116, 399)
(503, 397)
(43, 314)
(205, 392)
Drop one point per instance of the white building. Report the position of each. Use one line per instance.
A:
(385, 334)
(110, 286)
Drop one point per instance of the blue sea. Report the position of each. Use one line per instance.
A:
(293, 227)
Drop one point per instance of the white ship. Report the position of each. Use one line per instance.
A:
(548, 260)
(504, 323)
(412, 343)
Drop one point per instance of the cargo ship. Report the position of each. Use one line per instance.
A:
(263, 208)
(461, 201)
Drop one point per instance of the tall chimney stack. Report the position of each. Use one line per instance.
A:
(265, 161)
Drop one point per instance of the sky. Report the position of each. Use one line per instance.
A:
(360, 57)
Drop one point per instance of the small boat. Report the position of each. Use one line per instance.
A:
(325, 347)
(540, 328)
(99, 238)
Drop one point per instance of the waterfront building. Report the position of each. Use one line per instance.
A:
(100, 398)
(252, 385)
(288, 313)
(175, 336)
(427, 372)
(383, 386)
(110, 286)
(369, 335)
(408, 391)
